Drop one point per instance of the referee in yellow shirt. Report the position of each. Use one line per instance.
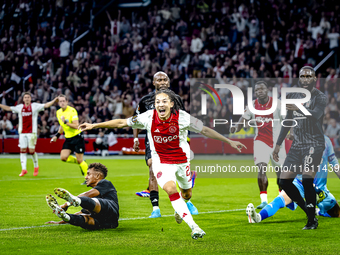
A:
(68, 120)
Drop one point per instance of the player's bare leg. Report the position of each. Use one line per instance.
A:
(65, 155)
(23, 160)
(35, 160)
(82, 164)
(154, 194)
(181, 208)
(186, 195)
(262, 181)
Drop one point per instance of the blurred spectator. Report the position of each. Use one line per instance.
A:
(101, 143)
(332, 129)
(54, 129)
(196, 44)
(5, 126)
(44, 130)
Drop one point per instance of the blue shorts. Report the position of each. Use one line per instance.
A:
(324, 206)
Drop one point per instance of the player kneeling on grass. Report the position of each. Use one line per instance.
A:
(326, 203)
(167, 129)
(100, 204)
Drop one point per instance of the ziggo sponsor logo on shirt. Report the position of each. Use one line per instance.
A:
(24, 114)
(165, 139)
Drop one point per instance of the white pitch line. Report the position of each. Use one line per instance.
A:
(122, 219)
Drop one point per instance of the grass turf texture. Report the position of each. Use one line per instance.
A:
(23, 205)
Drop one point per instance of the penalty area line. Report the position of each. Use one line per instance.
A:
(122, 219)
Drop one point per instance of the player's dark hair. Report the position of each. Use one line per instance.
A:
(98, 167)
(172, 97)
(262, 82)
(27, 93)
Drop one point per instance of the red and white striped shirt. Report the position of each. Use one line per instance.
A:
(28, 117)
(270, 130)
(115, 27)
(167, 138)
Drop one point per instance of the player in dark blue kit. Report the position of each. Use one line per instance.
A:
(306, 152)
(100, 204)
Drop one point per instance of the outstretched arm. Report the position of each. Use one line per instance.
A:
(208, 132)
(108, 15)
(5, 107)
(90, 193)
(49, 104)
(117, 123)
(119, 14)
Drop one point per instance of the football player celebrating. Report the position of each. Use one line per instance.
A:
(167, 129)
(160, 81)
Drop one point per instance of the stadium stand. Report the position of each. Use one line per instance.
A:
(104, 62)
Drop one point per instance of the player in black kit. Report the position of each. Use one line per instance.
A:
(305, 154)
(160, 81)
(100, 204)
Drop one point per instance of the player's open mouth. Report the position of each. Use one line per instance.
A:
(162, 112)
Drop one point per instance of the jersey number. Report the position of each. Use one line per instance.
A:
(188, 173)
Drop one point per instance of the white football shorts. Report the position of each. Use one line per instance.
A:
(172, 172)
(27, 140)
(263, 152)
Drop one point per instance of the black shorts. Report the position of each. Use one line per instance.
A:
(147, 150)
(108, 216)
(298, 160)
(75, 144)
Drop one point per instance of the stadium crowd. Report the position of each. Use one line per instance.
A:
(105, 73)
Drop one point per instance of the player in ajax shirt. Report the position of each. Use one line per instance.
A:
(167, 129)
(268, 128)
(28, 125)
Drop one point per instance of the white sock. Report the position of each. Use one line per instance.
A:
(263, 197)
(66, 218)
(155, 208)
(23, 159)
(35, 159)
(181, 208)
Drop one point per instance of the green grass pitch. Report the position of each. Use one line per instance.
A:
(220, 201)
